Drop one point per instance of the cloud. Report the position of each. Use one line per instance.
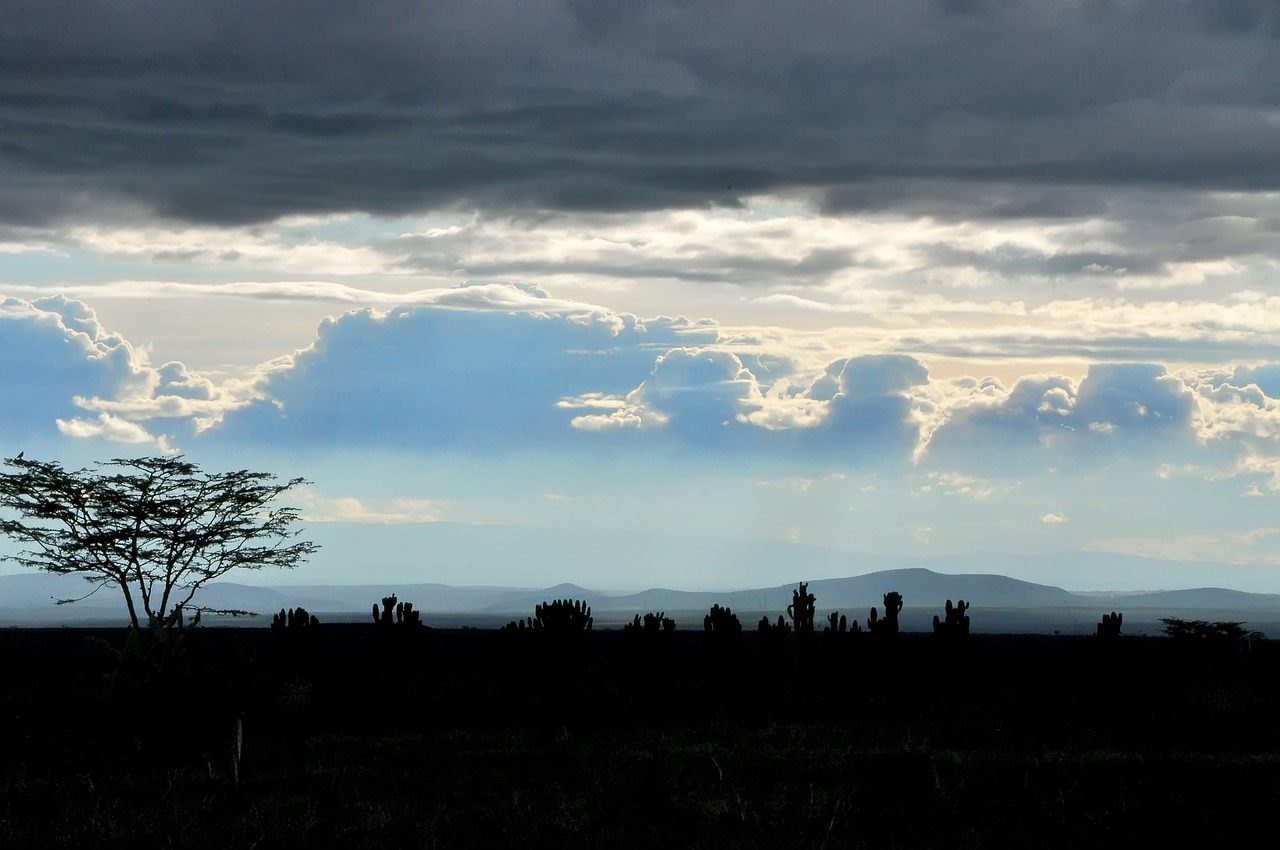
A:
(498, 369)
(115, 430)
(956, 484)
(1254, 546)
(859, 407)
(489, 381)
(699, 388)
(190, 110)
(401, 511)
(60, 362)
(507, 295)
(870, 412)
(1117, 407)
(1134, 397)
(476, 373)
(1053, 519)
(52, 350)
(911, 284)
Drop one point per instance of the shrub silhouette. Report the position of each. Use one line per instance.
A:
(152, 664)
(801, 609)
(956, 623)
(1109, 628)
(652, 623)
(888, 625)
(293, 620)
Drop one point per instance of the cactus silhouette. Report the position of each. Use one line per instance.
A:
(387, 616)
(562, 616)
(723, 631)
(773, 639)
(406, 616)
(782, 627)
(837, 623)
(395, 613)
(293, 620)
(956, 623)
(652, 623)
(801, 609)
(887, 625)
(1109, 628)
(721, 621)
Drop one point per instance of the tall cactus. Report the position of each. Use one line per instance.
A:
(801, 609)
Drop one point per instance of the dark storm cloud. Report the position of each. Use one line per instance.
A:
(224, 111)
(704, 266)
(965, 200)
(1017, 261)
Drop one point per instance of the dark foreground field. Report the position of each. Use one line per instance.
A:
(353, 738)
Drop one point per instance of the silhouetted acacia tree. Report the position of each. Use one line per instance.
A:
(1203, 630)
(156, 528)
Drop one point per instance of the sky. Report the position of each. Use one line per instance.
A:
(925, 278)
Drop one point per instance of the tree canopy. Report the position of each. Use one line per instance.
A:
(156, 528)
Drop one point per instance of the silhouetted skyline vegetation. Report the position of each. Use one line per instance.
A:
(155, 529)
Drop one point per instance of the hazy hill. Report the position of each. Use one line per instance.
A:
(27, 599)
(1208, 598)
(460, 551)
(920, 587)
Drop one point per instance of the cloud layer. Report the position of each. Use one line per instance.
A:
(480, 377)
(991, 110)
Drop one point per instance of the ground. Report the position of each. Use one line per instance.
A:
(351, 737)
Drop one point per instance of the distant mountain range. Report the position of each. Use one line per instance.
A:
(27, 599)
